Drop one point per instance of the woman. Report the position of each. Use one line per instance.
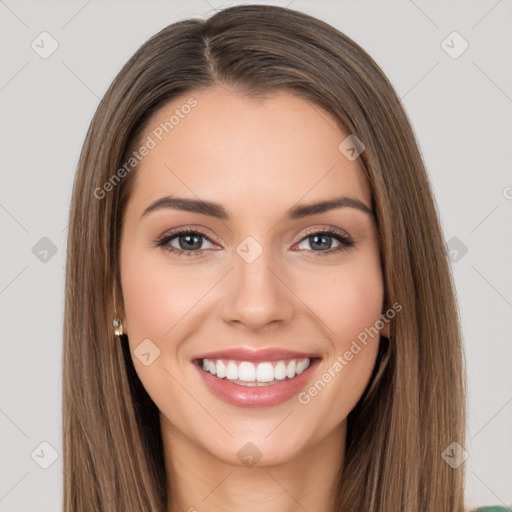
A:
(259, 310)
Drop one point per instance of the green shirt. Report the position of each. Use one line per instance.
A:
(495, 508)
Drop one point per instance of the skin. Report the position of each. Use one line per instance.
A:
(258, 158)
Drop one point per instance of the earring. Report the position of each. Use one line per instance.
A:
(118, 326)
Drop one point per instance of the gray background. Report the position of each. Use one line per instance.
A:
(460, 109)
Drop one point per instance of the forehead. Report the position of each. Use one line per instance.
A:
(245, 152)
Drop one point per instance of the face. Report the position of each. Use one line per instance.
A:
(250, 290)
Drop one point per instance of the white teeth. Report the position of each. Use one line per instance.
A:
(221, 369)
(290, 370)
(246, 371)
(265, 372)
(280, 371)
(301, 366)
(232, 371)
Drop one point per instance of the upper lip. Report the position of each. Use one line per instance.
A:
(256, 356)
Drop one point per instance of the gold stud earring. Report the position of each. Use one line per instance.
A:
(118, 326)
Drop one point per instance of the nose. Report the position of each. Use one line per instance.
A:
(260, 294)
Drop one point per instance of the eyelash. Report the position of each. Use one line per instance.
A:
(345, 241)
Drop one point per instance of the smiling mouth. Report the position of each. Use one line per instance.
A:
(247, 373)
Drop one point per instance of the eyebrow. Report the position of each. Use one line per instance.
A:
(216, 210)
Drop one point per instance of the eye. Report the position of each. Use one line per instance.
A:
(320, 240)
(189, 242)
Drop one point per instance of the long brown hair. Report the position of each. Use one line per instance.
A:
(415, 405)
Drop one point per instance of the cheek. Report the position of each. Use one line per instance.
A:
(353, 308)
(158, 302)
(348, 300)
(157, 296)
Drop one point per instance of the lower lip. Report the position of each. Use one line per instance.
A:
(257, 396)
